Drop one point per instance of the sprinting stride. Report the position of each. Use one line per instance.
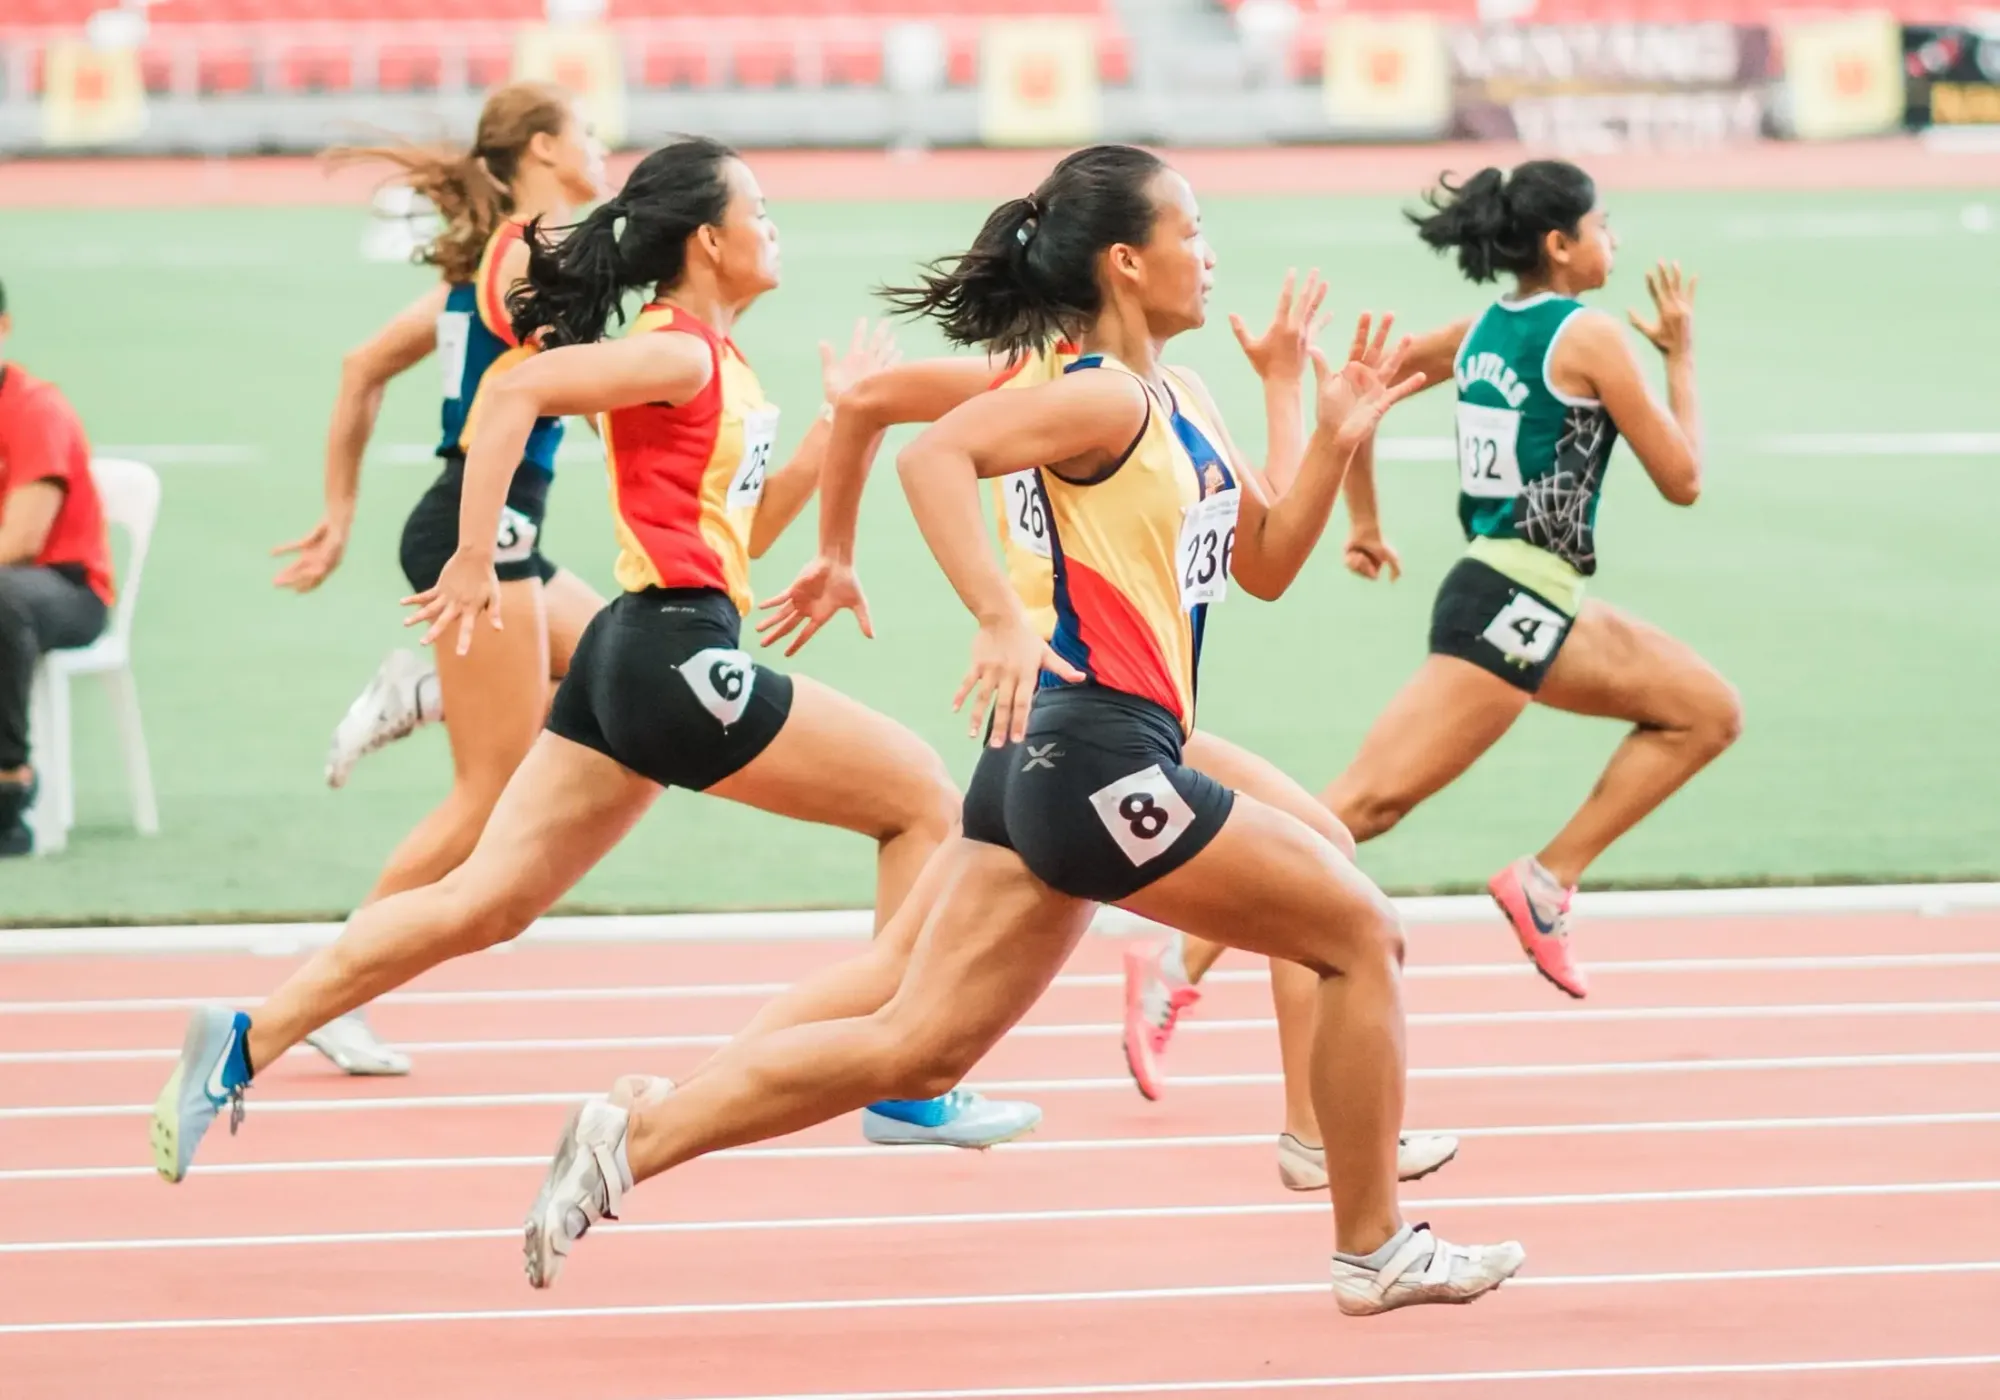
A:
(1080, 797)
(1546, 386)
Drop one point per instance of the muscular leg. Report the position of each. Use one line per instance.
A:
(565, 807)
(1438, 725)
(1683, 714)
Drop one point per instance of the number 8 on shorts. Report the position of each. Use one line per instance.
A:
(1143, 813)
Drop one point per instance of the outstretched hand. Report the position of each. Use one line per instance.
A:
(1280, 352)
(466, 588)
(1008, 659)
(1352, 399)
(823, 588)
(1672, 329)
(865, 355)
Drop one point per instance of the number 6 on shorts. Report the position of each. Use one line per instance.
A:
(1143, 813)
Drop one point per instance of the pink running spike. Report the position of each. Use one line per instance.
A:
(1524, 892)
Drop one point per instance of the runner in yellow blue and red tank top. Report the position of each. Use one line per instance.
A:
(1160, 978)
(658, 694)
(1545, 386)
(533, 156)
(1081, 795)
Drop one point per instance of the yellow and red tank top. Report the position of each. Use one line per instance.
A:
(475, 340)
(686, 478)
(1140, 553)
(1017, 499)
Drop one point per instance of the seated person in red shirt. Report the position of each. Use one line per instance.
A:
(55, 561)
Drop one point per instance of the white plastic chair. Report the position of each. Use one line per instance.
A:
(131, 495)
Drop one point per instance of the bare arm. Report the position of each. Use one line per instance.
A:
(1279, 357)
(1594, 354)
(1274, 539)
(1081, 423)
(364, 372)
(671, 366)
(1434, 353)
(30, 514)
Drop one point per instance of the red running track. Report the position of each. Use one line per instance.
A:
(1762, 1160)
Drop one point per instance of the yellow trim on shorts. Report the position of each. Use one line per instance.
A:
(1554, 578)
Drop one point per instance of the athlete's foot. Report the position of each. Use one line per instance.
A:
(1538, 908)
(958, 1119)
(585, 1183)
(1303, 1168)
(1415, 1266)
(399, 700)
(351, 1043)
(213, 1072)
(1154, 1001)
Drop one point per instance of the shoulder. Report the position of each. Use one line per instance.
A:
(1588, 331)
(1198, 388)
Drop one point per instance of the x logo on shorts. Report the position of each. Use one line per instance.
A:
(1043, 757)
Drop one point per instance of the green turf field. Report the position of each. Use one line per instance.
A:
(1850, 596)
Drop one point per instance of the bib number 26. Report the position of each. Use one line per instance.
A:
(1027, 520)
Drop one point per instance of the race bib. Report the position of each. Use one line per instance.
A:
(515, 540)
(1143, 813)
(1208, 539)
(1488, 466)
(454, 330)
(760, 435)
(1027, 521)
(720, 679)
(1526, 630)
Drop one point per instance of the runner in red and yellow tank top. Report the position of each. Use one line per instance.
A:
(659, 693)
(1082, 796)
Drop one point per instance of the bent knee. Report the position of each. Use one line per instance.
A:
(482, 913)
(1365, 815)
(925, 1062)
(929, 802)
(1722, 723)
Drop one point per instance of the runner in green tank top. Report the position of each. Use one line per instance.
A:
(1546, 386)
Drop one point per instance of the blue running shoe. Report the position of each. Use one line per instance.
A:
(212, 1075)
(958, 1119)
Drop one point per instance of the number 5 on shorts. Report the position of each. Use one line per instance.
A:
(1143, 813)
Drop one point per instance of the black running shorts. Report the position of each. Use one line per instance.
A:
(430, 535)
(1484, 617)
(659, 685)
(1096, 800)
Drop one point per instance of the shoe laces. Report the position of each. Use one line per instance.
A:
(236, 1107)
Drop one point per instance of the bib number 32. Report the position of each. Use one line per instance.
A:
(1489, 464)
(1208, 539)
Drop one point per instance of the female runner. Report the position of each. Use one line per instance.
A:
(1085, 800)
(1545, 387)
(533, 157)
(1155, 997)
(658, 693)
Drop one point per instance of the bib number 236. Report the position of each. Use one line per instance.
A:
(1208, 539)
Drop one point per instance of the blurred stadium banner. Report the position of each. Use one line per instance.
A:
(91, 96)
(1602, 87)
(1038, 83)
(1844, 76)
(1387, 74)
(586, 59)
(1953, 76)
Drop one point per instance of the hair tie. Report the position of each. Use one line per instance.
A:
(1029, 224)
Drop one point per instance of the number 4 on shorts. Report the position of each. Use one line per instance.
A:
(1143, 813)
(1526, 630)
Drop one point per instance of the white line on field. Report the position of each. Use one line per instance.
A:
(539, 1160)
(1114, 1083)
(705, 991)
(1079, 1215)
(1269, 1384)
(842, 924)
(986, 1300)
(1557, 1016)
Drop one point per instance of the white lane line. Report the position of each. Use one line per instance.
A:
(1079, 1215)
(1268, 1384)
(1557, 1016)
(980, 1300)
(1113, 1083)
(723, 991)
(858, 924)
(832, 1152)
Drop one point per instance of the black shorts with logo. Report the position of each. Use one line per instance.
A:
(430, 535)
(1484, 617)
(1096, 800)
(659, 684)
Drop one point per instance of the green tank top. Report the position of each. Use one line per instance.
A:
(1531, 458)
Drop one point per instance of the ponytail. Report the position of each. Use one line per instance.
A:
(1030, 275)
(1499, 223)
(470, 188)
(577, 277)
